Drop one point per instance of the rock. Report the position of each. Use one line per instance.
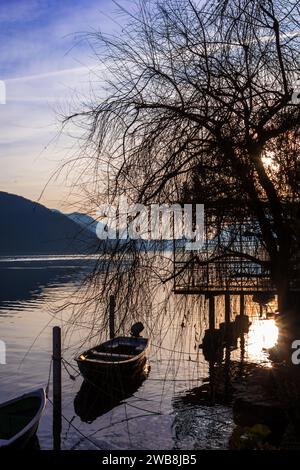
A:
(248, 411)
(255, 402)
(291, 438)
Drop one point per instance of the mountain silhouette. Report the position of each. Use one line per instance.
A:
(27, 227)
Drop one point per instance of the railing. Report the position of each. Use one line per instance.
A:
(227, 261)
(220, 276)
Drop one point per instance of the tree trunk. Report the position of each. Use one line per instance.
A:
(289, 314)
(288, 302)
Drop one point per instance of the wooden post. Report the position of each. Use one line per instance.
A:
(56, 387)
(242, 305)
(112, 306)
(211, 312)
(242, 313)
(227, 307)
(211, 326)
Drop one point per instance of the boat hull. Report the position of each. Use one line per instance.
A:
(14, 410)
(22, 442)
(95, 370)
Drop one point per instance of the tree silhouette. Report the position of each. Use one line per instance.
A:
(202, 100)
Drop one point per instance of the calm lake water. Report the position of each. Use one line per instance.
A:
(159, 414)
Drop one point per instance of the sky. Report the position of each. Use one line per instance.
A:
(47, 65)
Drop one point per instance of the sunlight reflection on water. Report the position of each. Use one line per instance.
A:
(263, 334)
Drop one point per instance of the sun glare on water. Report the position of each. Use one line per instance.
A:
(263, 334)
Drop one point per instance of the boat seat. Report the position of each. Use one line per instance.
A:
(111, 357)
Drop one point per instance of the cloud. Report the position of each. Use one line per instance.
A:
(16, 10)
(57, 41)
(48, 69)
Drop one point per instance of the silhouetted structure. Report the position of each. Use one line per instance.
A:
(232, 258)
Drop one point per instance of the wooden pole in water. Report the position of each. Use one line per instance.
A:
(242, 304)
(211, 312)
(56, 387)
(112, 307)
(211, 326)
(227, 307)
(242, 330)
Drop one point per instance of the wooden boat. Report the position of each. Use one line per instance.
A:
(19, 419)
(118, 357)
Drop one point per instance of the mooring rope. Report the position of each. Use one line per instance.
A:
(72, 377)
(151, 379)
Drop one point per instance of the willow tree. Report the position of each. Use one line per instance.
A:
(203, 96)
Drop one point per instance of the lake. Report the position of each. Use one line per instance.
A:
(159, 414)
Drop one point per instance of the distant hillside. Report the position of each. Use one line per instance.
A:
(89, 223)
(30, 228)
(84, 220)
(144, 245)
